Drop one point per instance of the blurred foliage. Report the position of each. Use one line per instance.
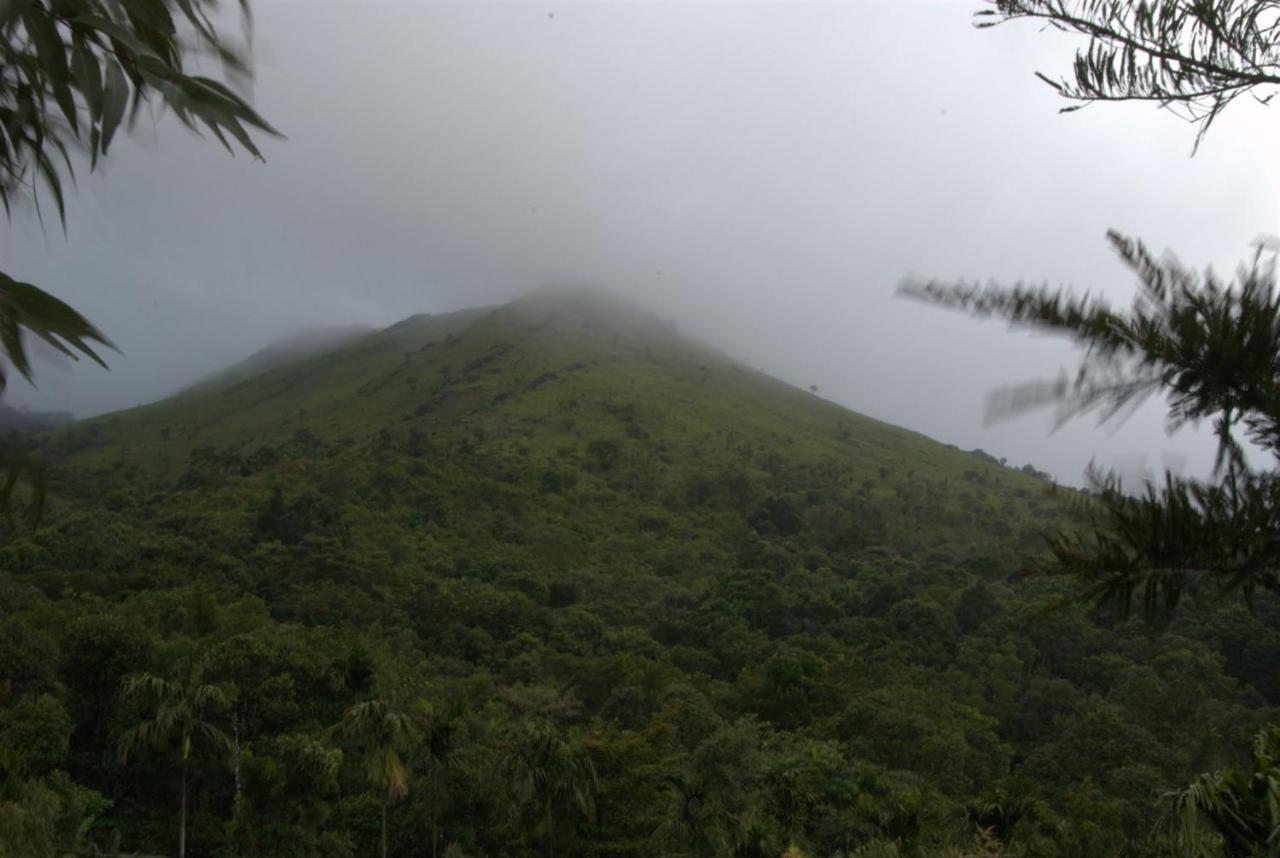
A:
(1232, 812)
(71, 72)
(1212, 348)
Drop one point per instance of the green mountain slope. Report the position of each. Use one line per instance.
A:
(580, 386)
(634, 597)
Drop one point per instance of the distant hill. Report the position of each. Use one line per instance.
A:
(284, 350)
(24, 420)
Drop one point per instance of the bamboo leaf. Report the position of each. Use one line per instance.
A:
(115, 97)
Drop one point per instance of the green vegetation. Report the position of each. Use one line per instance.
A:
(548, 579)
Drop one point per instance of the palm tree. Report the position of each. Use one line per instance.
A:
(701, 819)
(181, 713)
(382, 733)
(1242, 809)
(548, 769)
(1003, 810)
(694, 824)
(436, 752)
(712, 797)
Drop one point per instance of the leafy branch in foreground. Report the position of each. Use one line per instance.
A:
(23, 307)
(1236, 811)
(26, 309)
(1213, 349)
(1158, 546)
(70, 72)
(1193, 56)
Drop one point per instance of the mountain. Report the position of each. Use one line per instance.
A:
(581, 386)
(622, 594)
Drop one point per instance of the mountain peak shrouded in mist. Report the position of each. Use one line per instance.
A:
(578, 378)
(775, 220)
(554, 341)
(586, 302)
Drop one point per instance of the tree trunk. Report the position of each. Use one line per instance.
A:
(551, 836)
(182, 815)
(384, 828)
(235, 729)
(435, 831)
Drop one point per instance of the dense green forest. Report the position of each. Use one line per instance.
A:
(550, 579)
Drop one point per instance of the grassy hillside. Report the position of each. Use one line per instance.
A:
(579, 386)
(629, 596)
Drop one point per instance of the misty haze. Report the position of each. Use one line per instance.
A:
(639, 428)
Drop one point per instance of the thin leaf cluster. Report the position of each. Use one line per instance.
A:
(1232, 812)
(1193, 56)
(72, 71)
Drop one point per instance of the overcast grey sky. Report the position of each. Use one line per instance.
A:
(763, 173)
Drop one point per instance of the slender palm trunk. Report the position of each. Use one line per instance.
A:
(551, 835)
(235, 727)
(182, 815)
(384, 828)
(435, 831)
